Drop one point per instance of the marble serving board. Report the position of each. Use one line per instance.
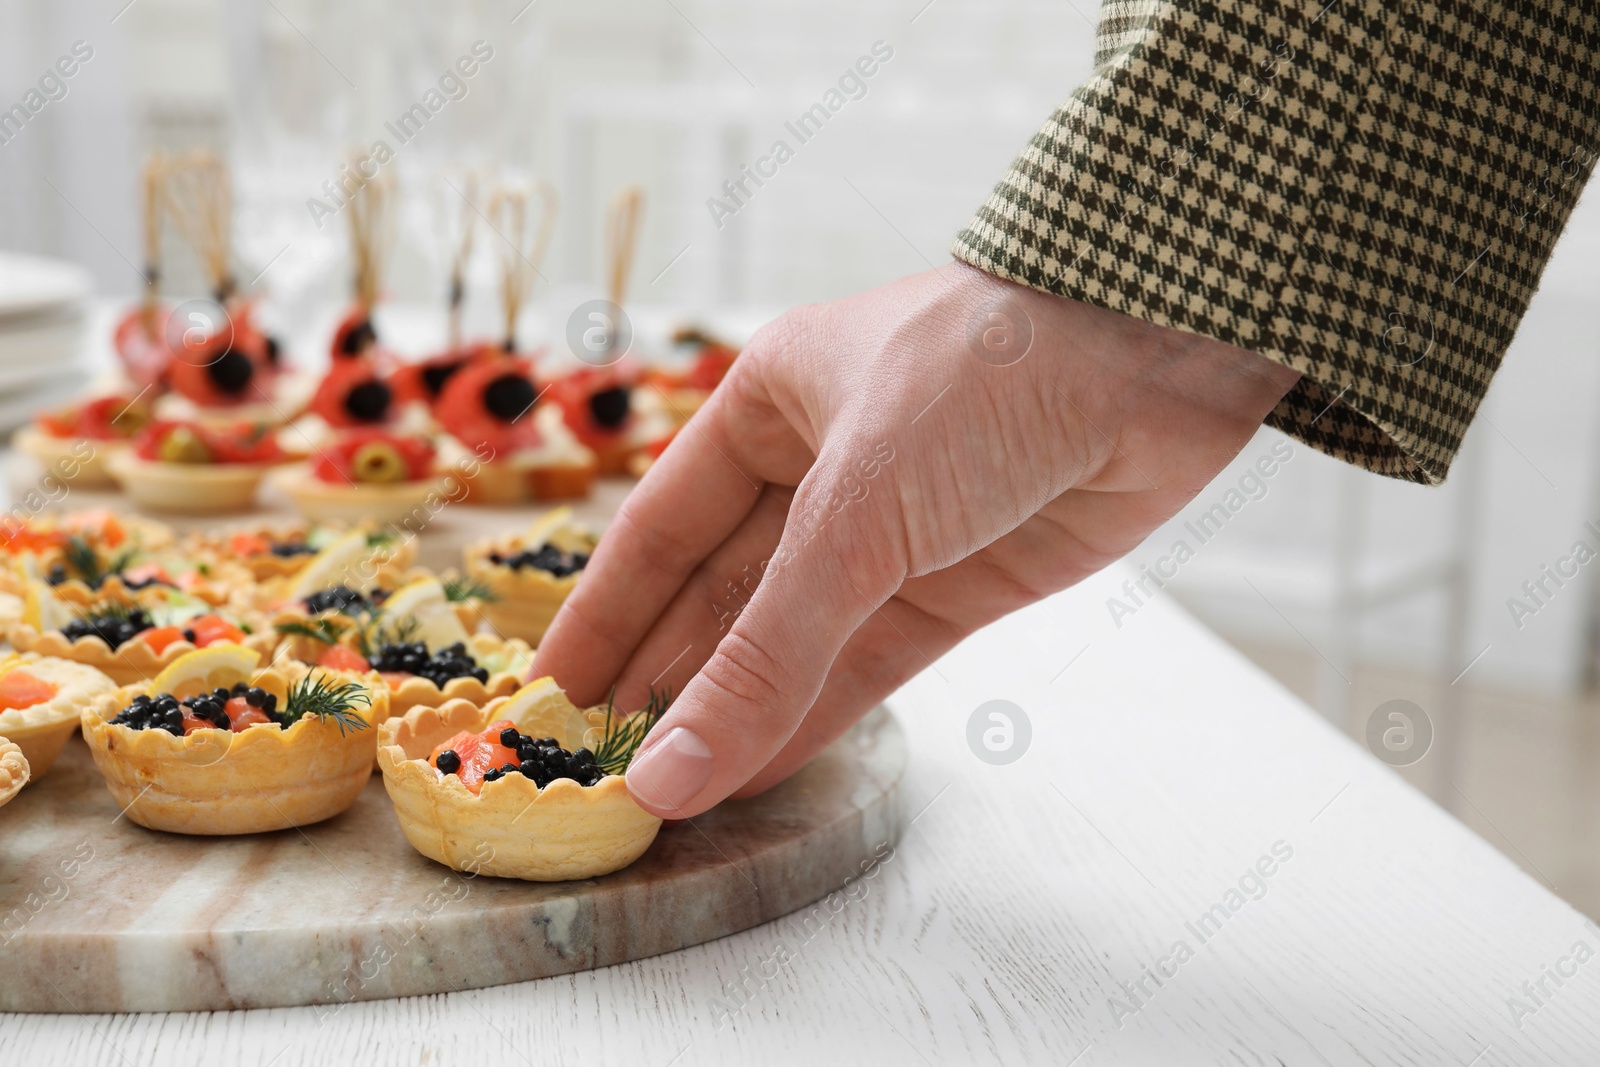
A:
(100, 915)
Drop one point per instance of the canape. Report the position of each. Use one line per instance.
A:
(513, 789)
(353, 393)
(45, 538)
(213, 745)
(423, 382)
(13, 770)
(282, 550)
(684, 392)
(76, 443)
(194, 469)
(227, 377)
(84, 574)
(597, 406)
(476, 668)
(351, 570)
(528, 576)
(40, 697)
(133, 638)
(489, 407)
(368, 474)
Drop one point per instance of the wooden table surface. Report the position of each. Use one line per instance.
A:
(1098, 901)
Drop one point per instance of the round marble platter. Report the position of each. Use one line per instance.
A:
(100, 915)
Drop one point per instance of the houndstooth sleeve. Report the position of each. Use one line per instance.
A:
(1364, 190)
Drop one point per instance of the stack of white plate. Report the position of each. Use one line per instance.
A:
(44, 306)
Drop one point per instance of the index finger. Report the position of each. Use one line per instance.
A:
(691, 499)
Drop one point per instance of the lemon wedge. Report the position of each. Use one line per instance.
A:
(43, 610)
(205, 669)
(540, 530)
(345, 560)
(436, 623)
(541, 709)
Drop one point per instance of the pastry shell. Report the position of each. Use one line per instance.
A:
(271, 596)
(54, 453)
(493, 483)
(395, 502)
(42, 730)
(13, 771)
(189, 488)
(512, 829)
(214, 590)
(417, 691)
(134, 662)
(266, 567)
(213, 782)
(526, 600)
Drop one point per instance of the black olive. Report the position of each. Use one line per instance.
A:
(369, 401)
(231, 372)
(509, 396)
(610, 407)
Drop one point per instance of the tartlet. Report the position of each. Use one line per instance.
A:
(83, 575)
(195, 469)
(13, 770)
(490, 408)
(56, 628)
(282, 550)
(511, 827)
(504, 663)
(40, 698)
(529, 576)
(260, 777)
(366, 475)
(77, 442)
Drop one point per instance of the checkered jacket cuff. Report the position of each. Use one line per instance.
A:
(1364, 190)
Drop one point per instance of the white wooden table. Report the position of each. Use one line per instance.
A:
(1021, 898)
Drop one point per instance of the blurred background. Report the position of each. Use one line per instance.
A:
(1353, 590)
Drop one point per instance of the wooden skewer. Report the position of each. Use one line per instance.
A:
(458, 215)
(372, 229)
(198, 193)
(153, 177)
(525, 245)
(622, 234)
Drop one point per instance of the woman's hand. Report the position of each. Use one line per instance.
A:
(876, 479)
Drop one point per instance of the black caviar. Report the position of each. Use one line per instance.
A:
(290, 549)
(342, 598)
(59, 575)
(165, 712)
(541, 758)
(114, 628)
(547, 558)
(413, 657)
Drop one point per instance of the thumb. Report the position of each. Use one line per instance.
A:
(835, 564)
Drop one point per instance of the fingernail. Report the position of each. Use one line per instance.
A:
(673, 772)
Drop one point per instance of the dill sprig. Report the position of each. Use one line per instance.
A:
(82, 559)
(457, 590)
(375, 636)
(324, 629)
(106, 609)
(325, 697)
(626, 733)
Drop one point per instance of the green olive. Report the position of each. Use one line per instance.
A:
(131, 421)
(378, 461)
(183, 445)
